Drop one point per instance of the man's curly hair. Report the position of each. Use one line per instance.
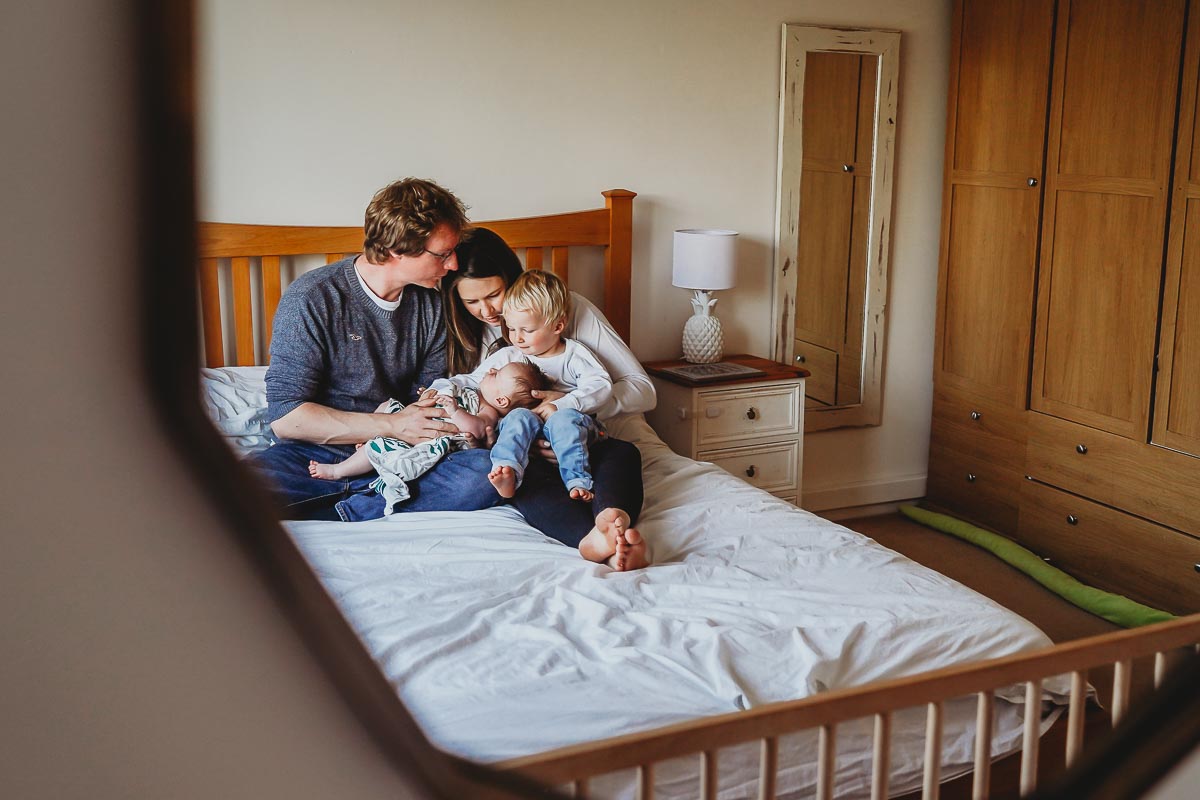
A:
(402, 215)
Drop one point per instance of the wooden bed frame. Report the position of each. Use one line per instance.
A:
(611, 228)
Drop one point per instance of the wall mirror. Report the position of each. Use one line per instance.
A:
(837, 132)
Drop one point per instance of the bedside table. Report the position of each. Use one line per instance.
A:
(751, 426)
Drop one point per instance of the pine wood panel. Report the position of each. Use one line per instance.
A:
(1098, 311)
(996, 126)
(1112, 111)
(533, 258)
(988, 279)
(210, 311)
(974, 487)
(1177, 415)
(243, 319)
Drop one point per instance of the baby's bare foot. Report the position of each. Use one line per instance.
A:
(579, 493)
(504, 479)
(327, 472)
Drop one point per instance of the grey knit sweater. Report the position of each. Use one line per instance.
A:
(334, 346)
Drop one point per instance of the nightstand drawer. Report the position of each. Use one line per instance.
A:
(734, 415)
(769, 467)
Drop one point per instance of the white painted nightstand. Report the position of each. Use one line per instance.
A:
(751, 426)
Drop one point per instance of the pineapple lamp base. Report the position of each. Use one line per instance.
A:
(702, 341)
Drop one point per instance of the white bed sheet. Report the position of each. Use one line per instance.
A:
(503, 642)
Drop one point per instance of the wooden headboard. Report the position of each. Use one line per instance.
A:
(245, 246)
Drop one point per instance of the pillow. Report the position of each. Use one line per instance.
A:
(236, 401)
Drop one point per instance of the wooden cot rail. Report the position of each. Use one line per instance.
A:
(771, 721)
(610, 227)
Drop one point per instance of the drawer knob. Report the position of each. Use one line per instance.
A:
(1032, 181)
(1072, 519)
(970, 477)
(1196, 567)
(751, 471)
(975, 415)
(800, 359)
(752, 413)
(1081, 449)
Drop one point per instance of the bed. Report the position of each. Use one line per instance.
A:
(766, 653)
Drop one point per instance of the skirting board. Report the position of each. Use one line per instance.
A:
(852, 496)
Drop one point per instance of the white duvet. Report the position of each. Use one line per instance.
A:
(503, 642)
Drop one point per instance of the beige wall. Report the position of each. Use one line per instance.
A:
(532, 106)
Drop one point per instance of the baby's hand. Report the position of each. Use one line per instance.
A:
(545, 410)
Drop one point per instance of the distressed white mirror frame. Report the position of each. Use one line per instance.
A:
(798, 41)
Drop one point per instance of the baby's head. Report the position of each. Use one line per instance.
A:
(536, 306)
(512, 386)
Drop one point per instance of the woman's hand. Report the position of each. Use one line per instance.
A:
(547, 395)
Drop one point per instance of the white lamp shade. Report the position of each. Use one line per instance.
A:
(704, 259)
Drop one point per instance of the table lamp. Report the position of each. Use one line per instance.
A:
(703, 261)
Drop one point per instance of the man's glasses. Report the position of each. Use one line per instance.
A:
(442, 257)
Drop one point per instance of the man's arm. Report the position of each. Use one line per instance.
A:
(312, 422)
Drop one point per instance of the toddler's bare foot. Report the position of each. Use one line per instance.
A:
(329, 472)
(504, 479)
(579, 493)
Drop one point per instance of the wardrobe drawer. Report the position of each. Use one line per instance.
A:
(982, 427)
(733, 415)
(1112, 550)
(770, 467)
(1144, 479)
(975, 488)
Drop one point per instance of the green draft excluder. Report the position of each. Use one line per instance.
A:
(1115, 608)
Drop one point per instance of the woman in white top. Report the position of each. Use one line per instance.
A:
(473, 297)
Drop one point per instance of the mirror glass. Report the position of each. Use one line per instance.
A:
(836, 139)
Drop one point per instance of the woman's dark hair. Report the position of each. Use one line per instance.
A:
(482, 254)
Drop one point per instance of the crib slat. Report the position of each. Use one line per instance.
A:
(558, 262)
(580, 789)
(332, 257)
(1122, 674)
(826, 762)
(210, 310)
(1160, 668)
(1029, 741)
(243, 322)
(1075, 715)
(933, 751)
(645, 789)
(708, 775)
(881, 756)
(533, 258)
(984, 712)
(271, 292)
(768, 766)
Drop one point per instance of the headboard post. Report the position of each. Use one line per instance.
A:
(618, 258)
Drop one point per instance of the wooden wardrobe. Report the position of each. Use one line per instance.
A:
(1067, 363)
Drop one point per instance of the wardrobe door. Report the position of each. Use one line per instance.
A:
(1116, 76)
(992, 195)
(1177, 407)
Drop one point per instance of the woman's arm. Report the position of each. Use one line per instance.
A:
(632, 390)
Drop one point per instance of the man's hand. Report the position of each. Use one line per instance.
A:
(545, 410)
(418, 421)
(541, 448)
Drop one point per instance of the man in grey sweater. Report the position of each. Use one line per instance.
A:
(352, 334)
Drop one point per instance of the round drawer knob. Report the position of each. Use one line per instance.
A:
(1032, 181)
(970, 477)
(1196, 567)
(800, 359)
(975, 415)
(847, 168)
(1081, 449)
(751, 471)
(752, 413)
(1072, 519)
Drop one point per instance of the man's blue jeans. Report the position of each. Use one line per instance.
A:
(569, 433)
(457, 483)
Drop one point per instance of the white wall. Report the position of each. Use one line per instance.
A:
(532, 106)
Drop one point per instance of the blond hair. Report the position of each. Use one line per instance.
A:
(403, 215)
(542, 293)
